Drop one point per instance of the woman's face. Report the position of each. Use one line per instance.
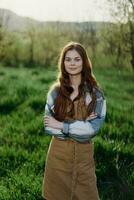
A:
(73, 62)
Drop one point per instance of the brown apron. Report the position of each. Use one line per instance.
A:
(70, 170)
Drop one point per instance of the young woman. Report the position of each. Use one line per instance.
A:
(75, 111)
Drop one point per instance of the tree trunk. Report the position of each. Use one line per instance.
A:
(132, 43)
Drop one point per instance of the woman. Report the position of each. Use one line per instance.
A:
(75, 111)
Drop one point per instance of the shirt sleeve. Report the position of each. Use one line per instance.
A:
(88, 128)
(49, 112)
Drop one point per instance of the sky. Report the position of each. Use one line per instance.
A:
(60, 10)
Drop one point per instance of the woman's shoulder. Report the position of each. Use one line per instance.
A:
(53, 92)
(99, 92)
(96, 90)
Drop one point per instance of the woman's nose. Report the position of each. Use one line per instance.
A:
(72, 62)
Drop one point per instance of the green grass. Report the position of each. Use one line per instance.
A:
(23, 146)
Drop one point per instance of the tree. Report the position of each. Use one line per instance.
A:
(123, 13)
(3, 26)
(31, 33)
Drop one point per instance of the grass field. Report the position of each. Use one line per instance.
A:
(23, 144)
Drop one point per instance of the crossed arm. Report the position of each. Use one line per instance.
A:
(50, 121)
(77, 128)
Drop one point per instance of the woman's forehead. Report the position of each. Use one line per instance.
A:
(72, 53)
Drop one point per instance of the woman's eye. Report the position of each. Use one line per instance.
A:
(67, 59)
(77, 59)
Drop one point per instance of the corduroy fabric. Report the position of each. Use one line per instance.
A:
(69, 171)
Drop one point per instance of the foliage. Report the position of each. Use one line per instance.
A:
(123, 14)
(41, 47)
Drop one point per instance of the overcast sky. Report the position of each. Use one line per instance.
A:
(63, 10)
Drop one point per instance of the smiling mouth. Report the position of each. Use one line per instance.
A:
(72, 68)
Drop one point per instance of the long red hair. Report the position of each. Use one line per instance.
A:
(64, 89)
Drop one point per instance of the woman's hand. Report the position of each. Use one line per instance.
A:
(92, 116)
(53, 123)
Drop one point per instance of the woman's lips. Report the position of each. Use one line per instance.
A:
(72, 68)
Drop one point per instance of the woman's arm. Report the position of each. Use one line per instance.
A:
(78, 129)
(51, 125)
(90, 127)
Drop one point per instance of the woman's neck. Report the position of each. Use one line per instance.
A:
(75, 81)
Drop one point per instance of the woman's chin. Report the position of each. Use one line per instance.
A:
(74, 72)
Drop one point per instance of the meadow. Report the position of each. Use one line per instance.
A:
(24, 145)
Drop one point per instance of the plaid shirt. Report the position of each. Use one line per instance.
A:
(79, 130)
